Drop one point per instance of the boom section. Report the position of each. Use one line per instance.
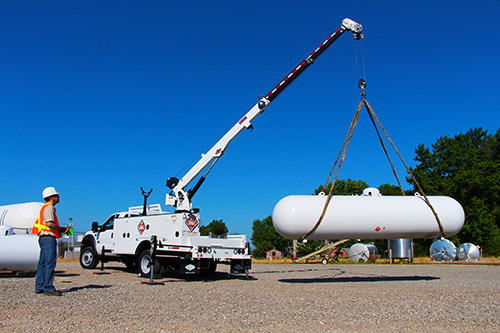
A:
(347, 24)
(181, 199)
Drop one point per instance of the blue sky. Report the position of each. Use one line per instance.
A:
(100, 98)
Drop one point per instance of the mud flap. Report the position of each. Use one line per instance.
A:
(190, 267)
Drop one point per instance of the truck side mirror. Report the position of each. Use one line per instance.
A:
(95, 227)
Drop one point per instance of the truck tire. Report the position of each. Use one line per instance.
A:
(144, 264)
(88, 258)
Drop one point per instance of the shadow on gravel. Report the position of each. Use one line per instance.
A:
(64, 274)
(90, 286)
(16, 275)
(292, 271)
(360, 279)
(218, 276)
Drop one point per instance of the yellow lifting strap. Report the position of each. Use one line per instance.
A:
(343, 151)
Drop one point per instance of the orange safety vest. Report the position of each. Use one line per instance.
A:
(39, 225)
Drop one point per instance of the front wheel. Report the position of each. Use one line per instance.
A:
(88, 258)
(324, 261)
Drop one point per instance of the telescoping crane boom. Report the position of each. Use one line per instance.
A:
(178, 197)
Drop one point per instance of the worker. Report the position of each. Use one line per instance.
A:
(48, 230)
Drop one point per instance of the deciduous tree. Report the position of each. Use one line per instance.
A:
(216, 227)
(466, 168)
(264, 238)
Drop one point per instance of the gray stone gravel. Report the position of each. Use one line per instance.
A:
(306, 297)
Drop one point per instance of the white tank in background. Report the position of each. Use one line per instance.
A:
(20, 216)
(18, 253)
(363, 252)
(369, 216)
(468, 252)
(443, 250)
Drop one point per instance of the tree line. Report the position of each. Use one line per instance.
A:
(465, 167)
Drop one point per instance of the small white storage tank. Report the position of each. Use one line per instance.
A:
(443, 250)
(468, 252)
(363, 252)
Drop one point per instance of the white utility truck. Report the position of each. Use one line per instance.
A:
(172, 240)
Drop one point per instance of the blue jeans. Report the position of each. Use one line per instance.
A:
(45, 270)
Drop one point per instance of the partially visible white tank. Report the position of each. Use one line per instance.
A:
(18, 253)
(20, 216)
(363, 252)
(443, 250)
(369, 216)
(468, 252)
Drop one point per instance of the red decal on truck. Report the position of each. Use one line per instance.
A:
(192, 222)
(141, 227)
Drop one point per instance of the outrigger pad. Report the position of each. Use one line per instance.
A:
(239, 266)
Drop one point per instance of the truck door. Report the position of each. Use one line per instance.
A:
(105, 236)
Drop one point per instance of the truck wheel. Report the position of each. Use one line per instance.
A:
(88, 258)
(144, 264)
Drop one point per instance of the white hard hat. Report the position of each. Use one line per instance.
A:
(48, 192)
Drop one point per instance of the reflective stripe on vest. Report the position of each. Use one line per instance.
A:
(39, 225)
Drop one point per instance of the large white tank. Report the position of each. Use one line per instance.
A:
(18, 253)
(369, 216)
(20, 216)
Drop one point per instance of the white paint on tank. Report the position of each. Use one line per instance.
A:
(20, 216)
(19, 253)
(369, 216)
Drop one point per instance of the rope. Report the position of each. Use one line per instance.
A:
(386, 153)
(441, 229)
(342, 152)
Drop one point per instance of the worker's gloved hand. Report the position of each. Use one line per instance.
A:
(65, 230)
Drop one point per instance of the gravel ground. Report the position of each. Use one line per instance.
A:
(306, 297)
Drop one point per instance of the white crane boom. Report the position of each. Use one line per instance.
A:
(179, 198)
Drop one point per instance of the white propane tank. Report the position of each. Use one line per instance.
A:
(468, 252)
(443, 250)
(363, 252)
(20, 216)
(369, 216)
(19, 253)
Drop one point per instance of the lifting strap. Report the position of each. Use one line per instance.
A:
(343, 151)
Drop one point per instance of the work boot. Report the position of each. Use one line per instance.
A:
(54, 293)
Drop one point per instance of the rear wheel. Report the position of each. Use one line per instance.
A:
(88, 258)
(144, 264)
